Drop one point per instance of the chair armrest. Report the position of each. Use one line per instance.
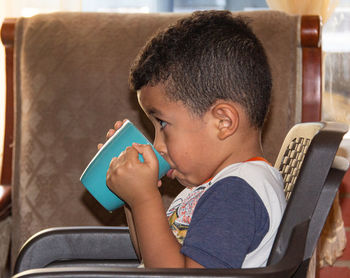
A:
(67, 246)
(336, 173)
(285, 268)
(5, 201)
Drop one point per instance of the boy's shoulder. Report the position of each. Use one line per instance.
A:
(252, 170)
(266, 181)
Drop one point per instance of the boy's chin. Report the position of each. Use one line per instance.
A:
(185, 182)
(174, 174)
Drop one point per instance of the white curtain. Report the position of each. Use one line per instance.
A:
(323, 8)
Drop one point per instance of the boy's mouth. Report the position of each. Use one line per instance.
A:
(169, 174)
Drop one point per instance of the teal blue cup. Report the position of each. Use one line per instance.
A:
(94, 176)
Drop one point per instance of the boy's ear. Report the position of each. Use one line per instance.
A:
(227, 119)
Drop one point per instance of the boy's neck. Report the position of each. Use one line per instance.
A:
(242, 148)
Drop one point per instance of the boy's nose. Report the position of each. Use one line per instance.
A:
(159, 144)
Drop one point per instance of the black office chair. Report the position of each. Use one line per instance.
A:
(312, 176)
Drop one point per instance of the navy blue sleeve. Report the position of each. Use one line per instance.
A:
(229, 221)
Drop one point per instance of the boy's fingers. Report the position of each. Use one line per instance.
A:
(146, 151)
(110, 133)
(132, 154)
(122, 153)
(118, 124)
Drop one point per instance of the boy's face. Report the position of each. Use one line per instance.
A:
(186, 141)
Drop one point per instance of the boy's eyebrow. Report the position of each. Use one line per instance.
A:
(152, 111)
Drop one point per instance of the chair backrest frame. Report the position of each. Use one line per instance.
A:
(313, 176)
(311, 81)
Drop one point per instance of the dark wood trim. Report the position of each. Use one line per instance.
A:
(310, 34)
(5, 201)
(7, 38)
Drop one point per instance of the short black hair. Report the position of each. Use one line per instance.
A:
(207, 56)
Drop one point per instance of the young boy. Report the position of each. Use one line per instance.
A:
(205, 84)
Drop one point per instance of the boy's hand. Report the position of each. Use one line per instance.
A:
(132, 180)
(110, 132)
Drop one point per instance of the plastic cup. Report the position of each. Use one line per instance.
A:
(94, 176)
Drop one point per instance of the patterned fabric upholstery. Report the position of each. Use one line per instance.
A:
(71, 72)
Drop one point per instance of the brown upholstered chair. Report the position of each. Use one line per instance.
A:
(67, 85)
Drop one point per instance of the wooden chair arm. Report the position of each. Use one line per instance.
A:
(7, 38)
(310, 37)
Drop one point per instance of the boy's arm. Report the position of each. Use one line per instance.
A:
(136, 183)
(158, 245)
(132, 231)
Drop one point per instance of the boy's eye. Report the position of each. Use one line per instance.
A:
(163, 124)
